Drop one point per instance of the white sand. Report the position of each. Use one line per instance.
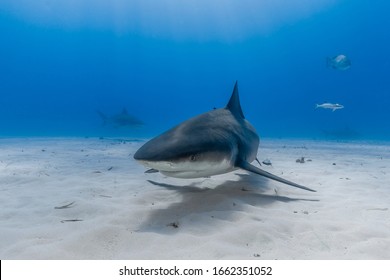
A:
(117, 214)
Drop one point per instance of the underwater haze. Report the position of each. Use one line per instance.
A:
(136, 68)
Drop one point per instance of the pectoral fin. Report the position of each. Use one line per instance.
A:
(249, 167)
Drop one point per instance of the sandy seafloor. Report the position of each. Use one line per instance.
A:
(119, 212)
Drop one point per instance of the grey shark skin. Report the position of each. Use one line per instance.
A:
(215, 142)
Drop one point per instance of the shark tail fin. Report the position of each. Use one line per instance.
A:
(249, 167)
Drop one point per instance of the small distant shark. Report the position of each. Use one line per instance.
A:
(333, 106)
(215, 142)
(339, 62)
(120, 120)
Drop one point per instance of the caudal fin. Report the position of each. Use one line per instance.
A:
(249, 167)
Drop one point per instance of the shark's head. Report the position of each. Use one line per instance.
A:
(187, 155)
(212, 143)
(206, 145)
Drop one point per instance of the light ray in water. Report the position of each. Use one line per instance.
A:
(191, 19)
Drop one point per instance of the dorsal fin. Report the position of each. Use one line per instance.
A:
(234, 103)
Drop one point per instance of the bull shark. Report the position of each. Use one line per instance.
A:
(215, 142)
(124, 119)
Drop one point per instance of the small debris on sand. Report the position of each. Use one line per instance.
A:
(174, 225)
(377, 209)
(73, 220)
(267, 162)
(65, 206)
(300, 160)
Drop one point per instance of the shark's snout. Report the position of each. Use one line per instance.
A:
(153, 151)
(141, 156)
(152, 160)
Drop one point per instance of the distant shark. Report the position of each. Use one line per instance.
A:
(332, 106)
(120, 120)
(216, 142)
(339, 62)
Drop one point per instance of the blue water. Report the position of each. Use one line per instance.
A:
(166, 61)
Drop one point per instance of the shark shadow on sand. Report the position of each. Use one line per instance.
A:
(201, 205)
